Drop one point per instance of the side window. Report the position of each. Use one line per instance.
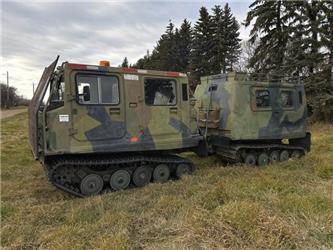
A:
(212, 88)
(95, 89)
(262, 99)
(300, 97)
(87, 87)
(184, 92)
(286, 98)
(58, 92)
(109, 90)
(160, 91)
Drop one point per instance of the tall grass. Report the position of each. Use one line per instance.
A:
(286, 205)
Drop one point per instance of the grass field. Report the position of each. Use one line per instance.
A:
(287, 205)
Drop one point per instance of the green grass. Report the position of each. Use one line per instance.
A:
(282, 206)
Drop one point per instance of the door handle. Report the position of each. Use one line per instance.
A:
(173, 110)
(133, 104)
(114, 111)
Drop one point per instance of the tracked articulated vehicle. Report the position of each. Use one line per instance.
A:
(99, 128)
(103, 128)
(254, 119)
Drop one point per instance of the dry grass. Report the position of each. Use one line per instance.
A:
(288, 205)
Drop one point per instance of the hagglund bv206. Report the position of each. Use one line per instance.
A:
(104, 128)
(98, 128)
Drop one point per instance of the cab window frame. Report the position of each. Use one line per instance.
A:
(164, 78)
(55, 86)
(293, 99)
(254, 95)
(77, 74)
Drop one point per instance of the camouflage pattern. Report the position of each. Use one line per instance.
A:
(234, 113)
(131, 125)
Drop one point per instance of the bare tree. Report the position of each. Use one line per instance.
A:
(247, 53)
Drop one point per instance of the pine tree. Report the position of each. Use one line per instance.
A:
(226, 42)
(163, 56)
(271, 22)
(296, 37)
(327, 42)
(183, 41)
(232, 47)
(218, 58)
(143, 63)
(125, 63)
(201, 54)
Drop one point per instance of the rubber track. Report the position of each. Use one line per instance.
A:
(94, 163)
(231, 153)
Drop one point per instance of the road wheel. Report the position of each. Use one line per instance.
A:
(141, 176)
(284, 155)
(250, 159)
(274, 156)
(296, 154)
(161, 173)
(263, 159)
(182, 169)
(120, 179)
(92, 184)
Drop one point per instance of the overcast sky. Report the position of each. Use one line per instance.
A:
(34, 33)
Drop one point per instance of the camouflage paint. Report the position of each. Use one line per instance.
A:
(233, 106)
(128, 126)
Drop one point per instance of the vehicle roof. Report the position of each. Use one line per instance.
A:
(256, 79)
(122, 70)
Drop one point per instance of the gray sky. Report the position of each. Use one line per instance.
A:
(33, 33)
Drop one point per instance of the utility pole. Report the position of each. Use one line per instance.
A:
(7, 103)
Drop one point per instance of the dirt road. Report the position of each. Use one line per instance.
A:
(11, 112)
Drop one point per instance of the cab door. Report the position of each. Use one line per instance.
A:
(98, 109)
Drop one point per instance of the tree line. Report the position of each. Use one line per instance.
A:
(287, 38)
(9, 97)
(211, 46)
(296, 38)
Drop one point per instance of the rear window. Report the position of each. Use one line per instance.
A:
(160, 91)
(262, 99)
(97, 89)
(286, 98)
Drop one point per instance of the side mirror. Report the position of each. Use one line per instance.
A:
(86, 93)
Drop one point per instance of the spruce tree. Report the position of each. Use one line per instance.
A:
(218, 57)
(202, 53)
(327, 42)
(183, 41)
(304, 54)
(271, 24)
(226, 42)
(125, 63)
(232, 46)
(163, 56)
